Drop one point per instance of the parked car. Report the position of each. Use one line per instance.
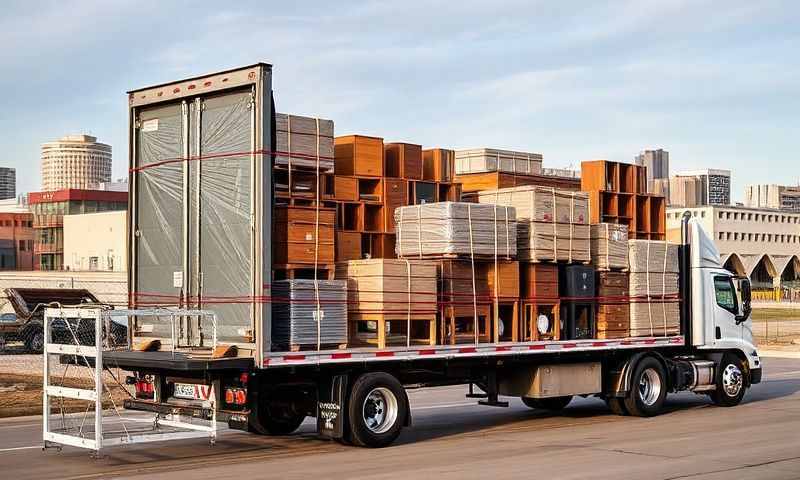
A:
(26, 324)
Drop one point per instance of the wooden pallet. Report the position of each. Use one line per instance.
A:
(379, 337)
(294, 271)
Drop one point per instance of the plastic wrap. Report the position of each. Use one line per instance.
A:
(609, 246)
(295, 312)
(456, 229)
(540, 204)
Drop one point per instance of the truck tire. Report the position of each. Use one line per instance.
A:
(731, 384)
(269, 421)
(377, 409)
(551, 403)
(34, 341)
(617, 405)
(648, 389)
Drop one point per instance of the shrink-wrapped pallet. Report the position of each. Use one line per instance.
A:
(609, 246)
(547, 241)
(456, 229)
(389, 287)
(302, 141)
(552, 224)
(540, 204)
(298, 304)
(653, 288)
(494, 160)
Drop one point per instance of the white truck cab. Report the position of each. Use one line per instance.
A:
(720, 307)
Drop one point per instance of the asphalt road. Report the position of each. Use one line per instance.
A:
(452, 437)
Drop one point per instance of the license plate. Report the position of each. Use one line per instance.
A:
(192, 391)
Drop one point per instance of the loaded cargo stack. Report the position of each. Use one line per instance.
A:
(475, 248)
(552, 244)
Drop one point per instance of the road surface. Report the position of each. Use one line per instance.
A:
(452, 437)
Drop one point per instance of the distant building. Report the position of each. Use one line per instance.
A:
(657, 164)
(49, 209)
(715, 185)
(782, 197)
(762, 244)
(119, 185)
(685, 191)
(75, 162)
(95, 242)
(8, 183)
(16, 235)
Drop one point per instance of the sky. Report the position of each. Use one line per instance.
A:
(716, 83)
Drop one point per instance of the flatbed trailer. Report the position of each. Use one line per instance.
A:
(358, 395)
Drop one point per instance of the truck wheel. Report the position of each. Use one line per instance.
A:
(267, 421)
(551, 403)
(731, 385)
(376, 410)
(617, 405)
(35, 341)
(648, 389)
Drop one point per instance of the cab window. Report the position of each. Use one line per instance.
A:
(726, 294)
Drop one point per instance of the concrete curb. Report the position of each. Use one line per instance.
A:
(779, 353)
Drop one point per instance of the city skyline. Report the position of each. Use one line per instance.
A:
(574, 82)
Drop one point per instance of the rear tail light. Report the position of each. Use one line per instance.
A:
(236, 396)
(145, 387)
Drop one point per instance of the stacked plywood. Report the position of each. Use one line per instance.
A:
(307, 314)
(388, 286)
(390, 301)
(455, 229)
(494, 160)
(653, 288)
(301, 141)
(552, 224)
(609, 246)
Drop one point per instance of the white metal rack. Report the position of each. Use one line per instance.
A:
(91, 436)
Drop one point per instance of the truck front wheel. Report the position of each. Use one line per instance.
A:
(731, 385)
(648, 389)
(376, 410)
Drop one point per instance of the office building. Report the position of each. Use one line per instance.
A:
(657, 164)
(8, 183)
(715, 185)
(763, 244)
(95, 242)
(49, 209)
(782, 197)
(16, 235)
(75, 162)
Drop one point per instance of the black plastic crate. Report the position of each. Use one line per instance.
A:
(576, 281)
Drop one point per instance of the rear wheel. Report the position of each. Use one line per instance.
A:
(268, 419)
(731, 385)
(648, 389)
(377, 410)
(551, 403)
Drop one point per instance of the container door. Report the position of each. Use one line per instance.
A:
(160, 134)
(221, 246)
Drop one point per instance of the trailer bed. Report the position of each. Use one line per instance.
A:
(357, 355)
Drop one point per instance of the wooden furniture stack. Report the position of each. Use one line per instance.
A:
(540, 297)
(617, 194)
(303, 223)
(373, 179)
(390, 302)
(609, 245)
(465, 317)
(653, 288)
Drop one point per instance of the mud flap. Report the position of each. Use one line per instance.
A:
(331, 407)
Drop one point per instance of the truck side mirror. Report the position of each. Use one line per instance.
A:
(746, 294)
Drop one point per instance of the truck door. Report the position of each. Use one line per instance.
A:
(726, 310)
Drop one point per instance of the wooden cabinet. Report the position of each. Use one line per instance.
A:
(403, 160)
(358, 155)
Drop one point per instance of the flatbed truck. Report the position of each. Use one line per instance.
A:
(358, 395)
